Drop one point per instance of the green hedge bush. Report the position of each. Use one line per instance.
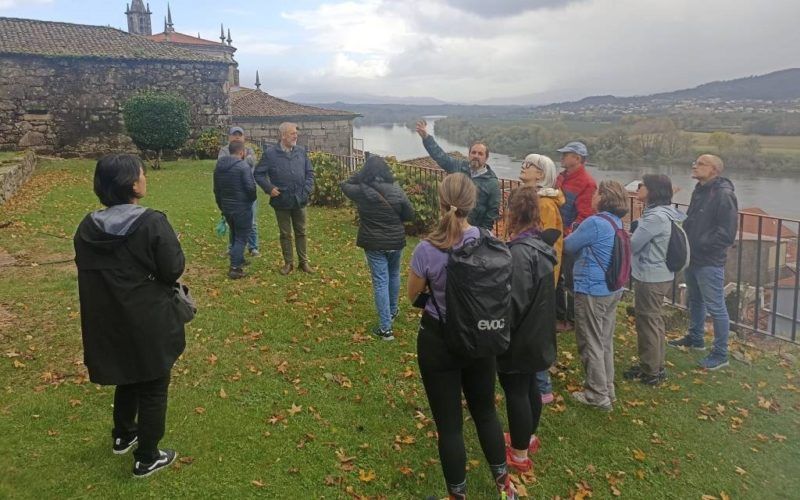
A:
(422, 191)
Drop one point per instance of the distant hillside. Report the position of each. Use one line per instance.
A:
(781, 85)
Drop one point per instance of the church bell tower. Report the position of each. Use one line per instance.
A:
(139, 18)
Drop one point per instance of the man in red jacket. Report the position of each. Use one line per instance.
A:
(578, 187)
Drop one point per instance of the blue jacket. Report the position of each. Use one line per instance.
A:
(234, 187)
(592, 242)
(649, 244)
(290, 172)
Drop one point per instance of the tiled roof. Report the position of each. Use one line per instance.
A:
(182, 38)
(769, 226)
(255, 103)
(54, 39)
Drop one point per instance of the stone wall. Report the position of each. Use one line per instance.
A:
(13, 174)
(73, 105)
(329, 135)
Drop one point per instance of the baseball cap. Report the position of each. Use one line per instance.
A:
(576, 147)
(235, 130)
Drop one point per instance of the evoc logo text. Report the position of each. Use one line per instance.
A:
(495, 324)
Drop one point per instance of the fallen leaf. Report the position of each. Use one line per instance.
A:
(222, 393)
(366, 476)
(639, 455)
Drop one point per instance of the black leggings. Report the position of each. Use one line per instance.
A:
(444, 377)
(524, 406)
(148, 401)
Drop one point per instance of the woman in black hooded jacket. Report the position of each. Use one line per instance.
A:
(383, 208)
(533, 325)
(128, 258)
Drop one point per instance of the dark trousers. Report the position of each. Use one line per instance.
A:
(444, 377)
(148, 402)
(239, 223)
(289, 221)
(524, 406)
(565, 297)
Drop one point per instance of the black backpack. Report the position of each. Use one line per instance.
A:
(678, 252)
(478, 298)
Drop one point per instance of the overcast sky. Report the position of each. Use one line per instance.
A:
(471, 50)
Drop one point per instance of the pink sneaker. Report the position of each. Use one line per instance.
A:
(533, 447)
(547, 398)
(520, 465)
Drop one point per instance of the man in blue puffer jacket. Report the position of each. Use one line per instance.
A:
(235, 192)
(286, 175)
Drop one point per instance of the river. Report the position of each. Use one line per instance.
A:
(775, 193)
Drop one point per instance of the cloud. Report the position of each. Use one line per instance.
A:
(503, 8)
(10, 4)
(464, 50)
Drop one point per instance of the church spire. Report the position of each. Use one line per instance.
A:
(258, 81)
(170, 28)
(222, 33)
(230, 40)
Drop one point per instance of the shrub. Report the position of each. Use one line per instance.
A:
(207, 144)
(328, 173)
(156, 121)
(422, 191)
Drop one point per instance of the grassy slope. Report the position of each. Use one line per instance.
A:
(268, 342)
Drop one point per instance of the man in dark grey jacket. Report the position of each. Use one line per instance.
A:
(236, 134)
(711, 224)
(235, 191)
(286, 175)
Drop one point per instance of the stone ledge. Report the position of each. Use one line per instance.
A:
(14, 173)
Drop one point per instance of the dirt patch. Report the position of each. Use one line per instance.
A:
(6, 320)
(6, 259)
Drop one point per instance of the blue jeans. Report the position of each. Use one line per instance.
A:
(385, 268)
(239, 229)
(252, 239)
(543, 382)
(705, 288)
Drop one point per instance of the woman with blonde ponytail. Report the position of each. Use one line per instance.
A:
(445, 374)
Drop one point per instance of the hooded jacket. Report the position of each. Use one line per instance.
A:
(533, 309)
(550, 203)
(649, 244)
(383, 207)
(487, 202)
(128, 258)
(234, 186)
(290, 172)
(711, 222)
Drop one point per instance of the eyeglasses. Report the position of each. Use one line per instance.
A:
(526, 165)
(698, 163)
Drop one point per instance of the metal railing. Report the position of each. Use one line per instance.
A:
(761, 276)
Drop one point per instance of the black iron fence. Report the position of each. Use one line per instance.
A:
(762, 283)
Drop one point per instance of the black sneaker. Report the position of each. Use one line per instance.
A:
(122, 446)
(633, 373)
(236, 272)
(383, 334)
(685, 341)
(395, 314)
(167, 458)
(654, 380)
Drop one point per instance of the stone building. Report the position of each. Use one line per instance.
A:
(62, 85)
(260, 114)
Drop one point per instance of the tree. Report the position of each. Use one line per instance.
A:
(721, 140)
(157, 121)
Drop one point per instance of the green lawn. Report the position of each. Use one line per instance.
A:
(281, 393)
